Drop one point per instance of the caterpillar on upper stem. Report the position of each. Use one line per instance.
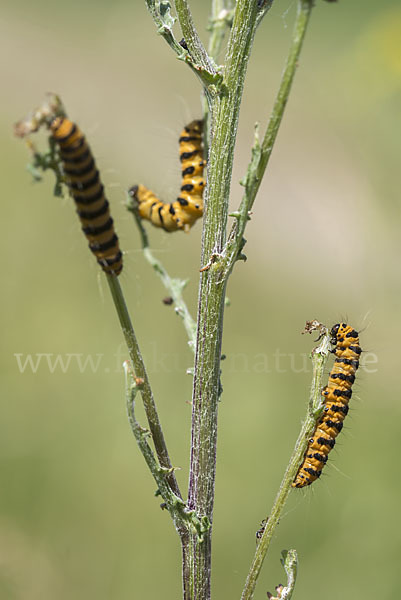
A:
(78, 171)
(83, 180)
(188, 208)
(336, 398)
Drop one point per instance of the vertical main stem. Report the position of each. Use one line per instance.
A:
(224, 111)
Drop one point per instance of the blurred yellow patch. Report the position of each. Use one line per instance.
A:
(378, 53)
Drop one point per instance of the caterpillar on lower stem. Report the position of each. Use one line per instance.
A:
(83, 180)
(337, 395)
(188, 208)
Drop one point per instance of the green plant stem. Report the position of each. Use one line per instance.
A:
(258, 164)
(159, 473)
(183, 519)
(220, 21)
(140, 372)
(164, 29)
(196, 48)
(174, 286)
(164, 21)
(304, 9)
(319, 358)
(289, 561)
(225, 111)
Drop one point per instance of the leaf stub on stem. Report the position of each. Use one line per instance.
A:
(289, 561)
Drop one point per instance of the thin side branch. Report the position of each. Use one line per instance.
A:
(203, 68)
(315, 405)
(140, 372)
(261, 152)
(164, 23)
(185, 521)
(220, 21)
(191, 36)
(174, 286)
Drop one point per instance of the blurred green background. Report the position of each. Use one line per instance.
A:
(78, 518)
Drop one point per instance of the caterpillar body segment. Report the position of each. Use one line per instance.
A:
(151, 208)
(188, 207)
(192, 165)
(83, 180)
(170, 216)
(191, 157)
(336, 395)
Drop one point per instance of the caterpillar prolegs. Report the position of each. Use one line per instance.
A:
(336, 395)
(188, 208)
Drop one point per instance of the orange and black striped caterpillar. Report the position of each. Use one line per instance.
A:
(85, 186)
(336, 398)
(188, 207)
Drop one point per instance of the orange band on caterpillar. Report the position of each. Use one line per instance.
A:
(85, 186)
(336, 395)
(188, 207)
